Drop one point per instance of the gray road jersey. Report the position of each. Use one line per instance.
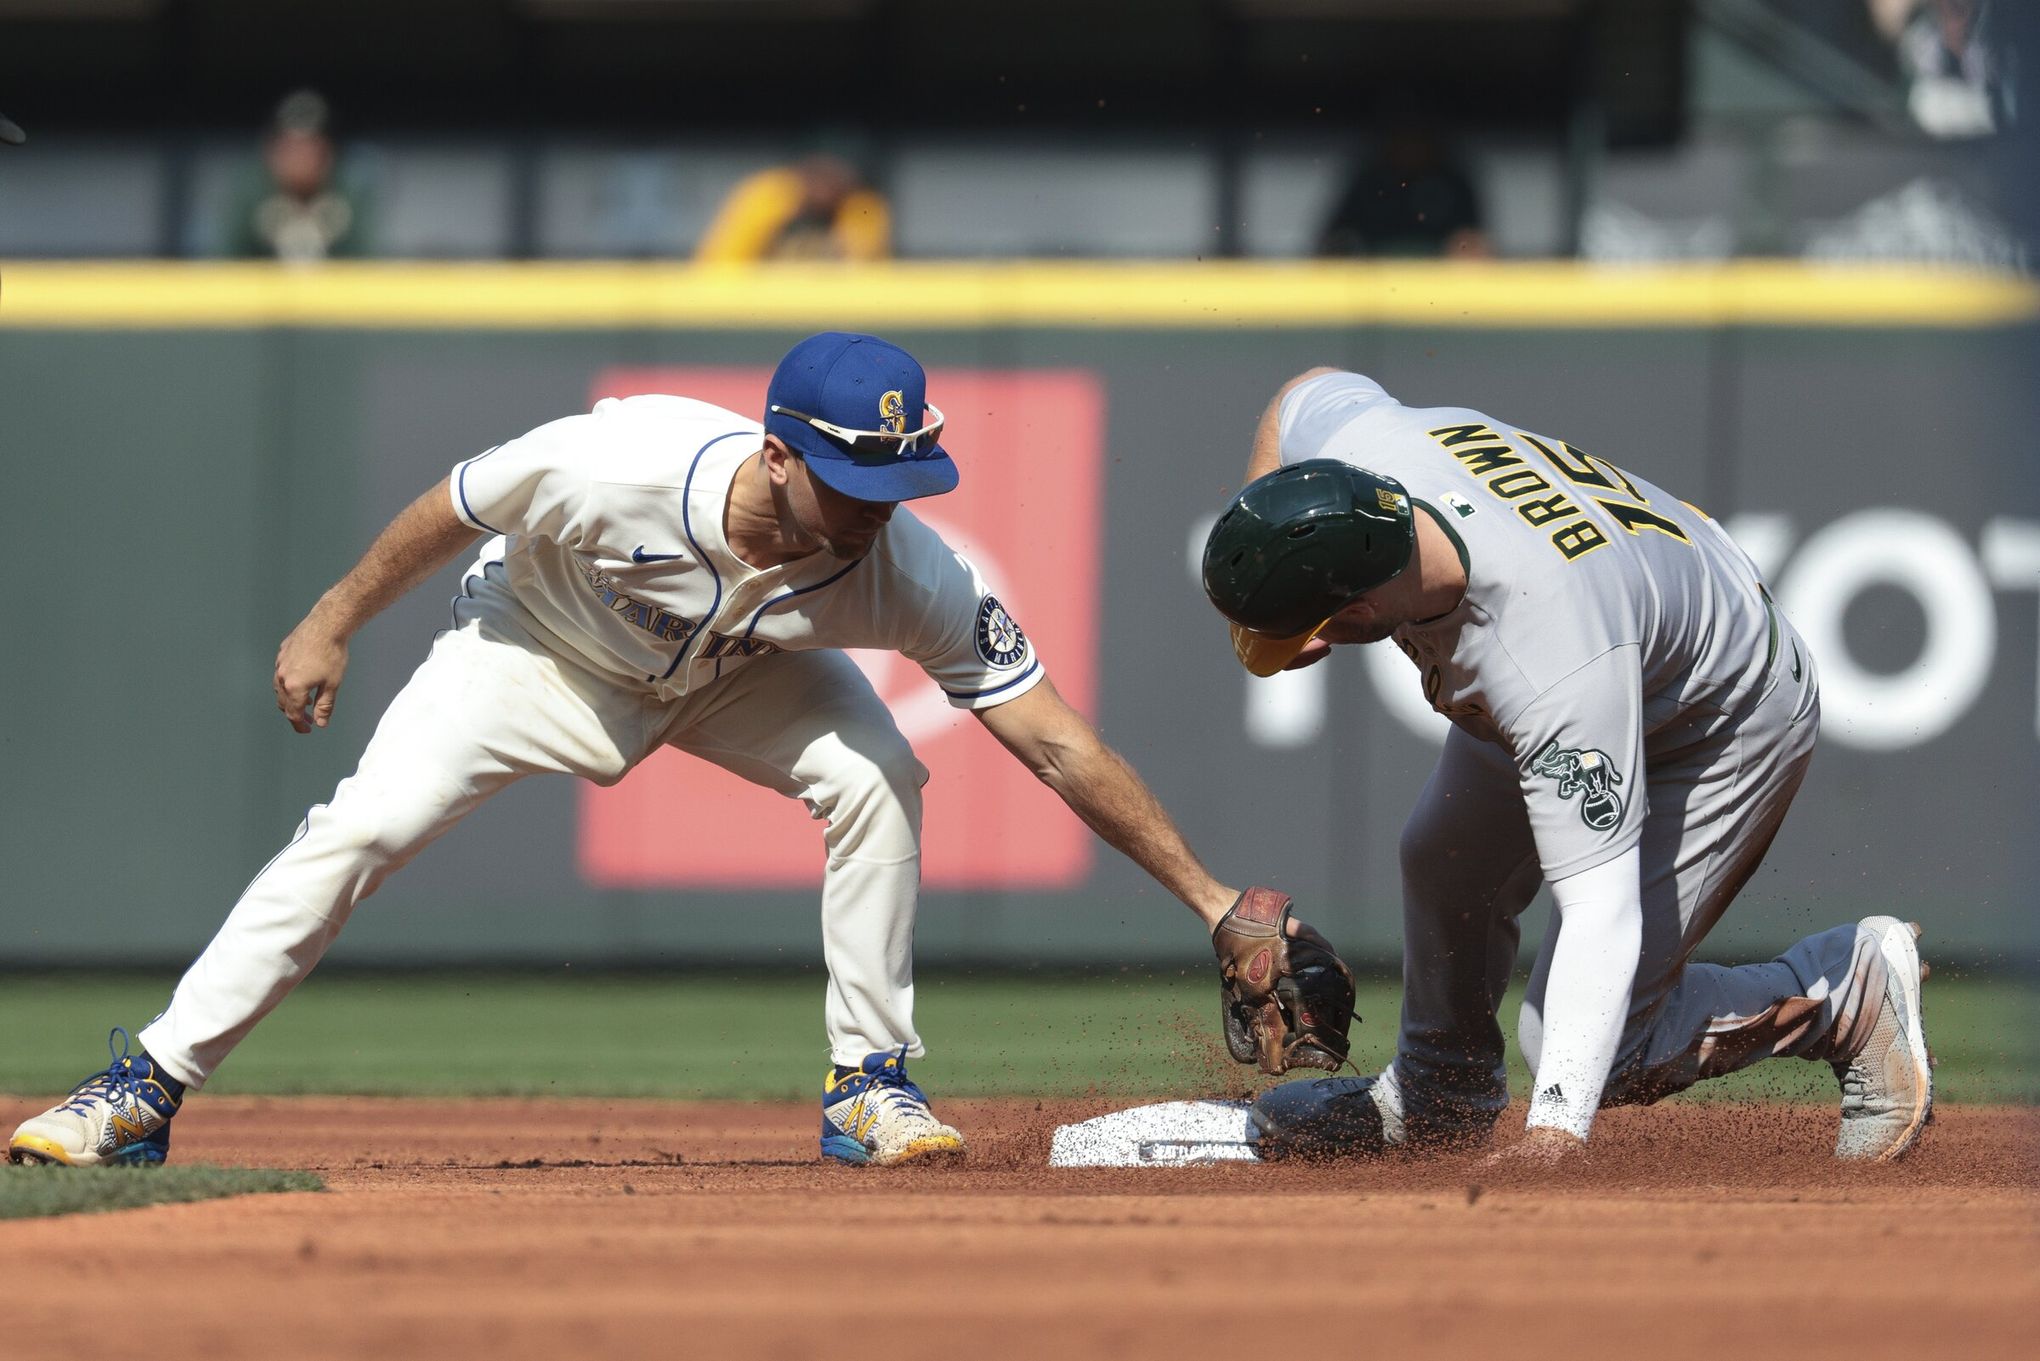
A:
(1605, 622)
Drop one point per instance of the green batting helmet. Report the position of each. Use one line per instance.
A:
(1299, 545)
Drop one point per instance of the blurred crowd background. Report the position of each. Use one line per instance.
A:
(1618, 130)
(1775, 254)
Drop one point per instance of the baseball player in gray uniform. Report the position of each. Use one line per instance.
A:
(1631, 717)
(660, 572)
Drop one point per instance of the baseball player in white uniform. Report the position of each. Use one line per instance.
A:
(660, 572)
(1631, 718)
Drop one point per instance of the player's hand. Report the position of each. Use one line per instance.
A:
(309, 665)
(1314, 651)
(1286, 998)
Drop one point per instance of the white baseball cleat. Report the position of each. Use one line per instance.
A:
(1888, 1087)
(121, 1115)
(875, 1115)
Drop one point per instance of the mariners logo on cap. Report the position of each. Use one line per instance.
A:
(999, 640)
(892, 412)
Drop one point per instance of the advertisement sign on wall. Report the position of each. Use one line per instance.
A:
(1027, 511)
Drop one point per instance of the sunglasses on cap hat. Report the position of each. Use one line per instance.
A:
(891, 443)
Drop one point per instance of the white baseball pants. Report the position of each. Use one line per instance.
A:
(491, 704)
(1470, 869)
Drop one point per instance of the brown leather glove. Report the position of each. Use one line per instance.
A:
(1287, 997)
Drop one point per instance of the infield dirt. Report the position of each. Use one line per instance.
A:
(559, 1229)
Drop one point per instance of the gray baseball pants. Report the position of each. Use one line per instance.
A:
(1470, 869)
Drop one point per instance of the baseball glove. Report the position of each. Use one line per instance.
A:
(1287, 999)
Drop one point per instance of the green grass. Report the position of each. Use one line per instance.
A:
(692, 1035)
(33, 1192)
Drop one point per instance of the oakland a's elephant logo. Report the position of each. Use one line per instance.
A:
(1587, 773)
(892, 412)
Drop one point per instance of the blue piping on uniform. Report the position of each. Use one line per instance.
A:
(759, 613)
(460, 490)
(303, 828)
(803, 590)
(687, 528)
(1032, 667)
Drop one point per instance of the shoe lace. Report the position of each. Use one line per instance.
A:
(118, 1080)
(891, 1087)
(1855, 1084)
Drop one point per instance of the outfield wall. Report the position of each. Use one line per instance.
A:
(196, 452)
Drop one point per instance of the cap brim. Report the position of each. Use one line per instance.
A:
(1263, 655)
(893, 479)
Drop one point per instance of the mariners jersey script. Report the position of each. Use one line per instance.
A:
(610, 534)
(1604, 620)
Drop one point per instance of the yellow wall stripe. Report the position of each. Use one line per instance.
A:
(1082, 295)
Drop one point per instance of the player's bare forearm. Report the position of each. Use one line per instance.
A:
(425, 536)
(1065, 752)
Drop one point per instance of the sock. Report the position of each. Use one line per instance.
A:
(163, 1079)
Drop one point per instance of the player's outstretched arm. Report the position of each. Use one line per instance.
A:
(423, 538)
(1065, 752)
(1288, 998)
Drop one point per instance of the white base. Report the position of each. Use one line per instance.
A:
(1171, 1134)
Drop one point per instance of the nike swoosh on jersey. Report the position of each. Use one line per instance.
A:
(638, 554)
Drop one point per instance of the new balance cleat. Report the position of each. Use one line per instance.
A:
(875, 1114)
(1888, 1087)
(121, 1115)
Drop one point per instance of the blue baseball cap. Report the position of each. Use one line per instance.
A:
(856, 408)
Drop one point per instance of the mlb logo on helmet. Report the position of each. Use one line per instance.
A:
(856, 409)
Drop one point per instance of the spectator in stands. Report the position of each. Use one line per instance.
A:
(1411, 198)
(298, 209)
(1955, 77)
(816, 209)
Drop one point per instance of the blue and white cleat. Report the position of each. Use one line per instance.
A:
(121, 1115)
(874, 1114)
